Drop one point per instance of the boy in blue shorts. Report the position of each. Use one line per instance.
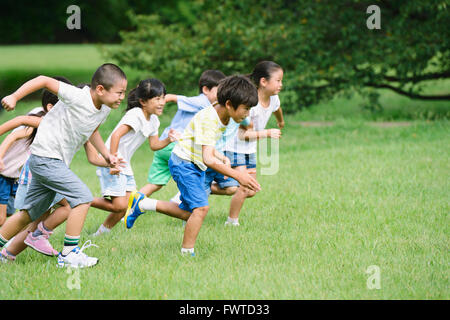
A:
(194, 153)
(159, 173)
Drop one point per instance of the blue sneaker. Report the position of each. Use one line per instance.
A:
(133, 211)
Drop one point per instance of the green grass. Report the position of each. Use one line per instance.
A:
(346, 197)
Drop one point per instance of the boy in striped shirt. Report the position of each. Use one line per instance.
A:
(194, 153)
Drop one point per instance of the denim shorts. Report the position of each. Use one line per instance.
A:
(22, 192)
(212, 175)
(8, 188)
(115, 185)
(52, 176)
(190, 180)
(241, 159)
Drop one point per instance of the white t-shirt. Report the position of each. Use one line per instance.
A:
(259, 116)
(133, 139)
(69, 124)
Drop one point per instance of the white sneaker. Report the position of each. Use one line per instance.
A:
(77, 258)
(176, 198)
(234, 224)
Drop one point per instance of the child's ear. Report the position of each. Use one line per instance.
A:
(100, 89)
(228, 105)
(48, 107)
(205, 90)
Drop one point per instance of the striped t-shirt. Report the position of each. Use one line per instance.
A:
(205, 129)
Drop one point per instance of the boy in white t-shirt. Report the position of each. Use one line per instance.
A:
(70, 123)
(241, 150)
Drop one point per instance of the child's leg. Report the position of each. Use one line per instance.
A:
(228, 191)
(193, 226)
(2, 214)
(13, 226)
(237, 201)
(150, 188)
(119, 204)
(18, 245)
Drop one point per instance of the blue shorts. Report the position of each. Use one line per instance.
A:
(190, 180)
(22, 192)
(8, 188)
(52, 176)
(115, 185)
(242, 159)
(212, 175)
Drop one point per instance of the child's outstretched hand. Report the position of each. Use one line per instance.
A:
(115, 164)
(174, 135)
(247, 181)
(274, 133)
(9, 102)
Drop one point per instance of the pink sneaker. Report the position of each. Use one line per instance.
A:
(41, 243)
(5, 257)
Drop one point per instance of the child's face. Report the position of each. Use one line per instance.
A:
(154, 105)
(211, 94)
(239, 114)
(114, 96)
(275, 82)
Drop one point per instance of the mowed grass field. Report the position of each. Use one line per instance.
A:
(346, 197)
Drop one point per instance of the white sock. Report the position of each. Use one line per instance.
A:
(102, 229)
(233, 220)
(184, 250)
(176, 198)
(148, 204)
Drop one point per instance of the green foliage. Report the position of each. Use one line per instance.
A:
(324, 46)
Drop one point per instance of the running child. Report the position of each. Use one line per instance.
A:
(70, 124)
(145, 103)
(194, 153)
(159, 173)
(268, 77)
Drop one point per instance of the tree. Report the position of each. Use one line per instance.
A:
(324, 46)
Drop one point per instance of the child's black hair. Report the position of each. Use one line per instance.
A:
(107, 75)
(31, 137)
(49, 97)
(146, 89)
(238, 90)
(210, 79)
(263, 69)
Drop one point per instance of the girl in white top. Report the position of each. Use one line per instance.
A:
(140, 122)
(268, 77)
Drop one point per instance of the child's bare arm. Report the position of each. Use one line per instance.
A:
(97, 141)
(171, 98)
(248, 134)
(30, 121)
(280, 119)
(9, 140)
(157, 144)
(40, 82)
(93, 156)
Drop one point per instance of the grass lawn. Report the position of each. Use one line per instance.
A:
(346, 197)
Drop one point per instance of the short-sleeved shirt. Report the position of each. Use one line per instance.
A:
(69, 124)
(187, 108)
(259, 117)
(133, 139)
(205, 129)
(230, 133)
